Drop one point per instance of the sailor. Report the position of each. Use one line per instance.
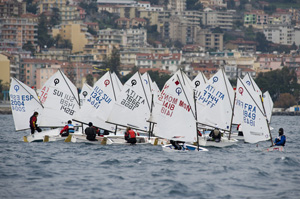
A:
(69, 128)
(280, 140)
(175, 145)
(239, 129)
(130, 136)
(33, 123)
(91, 132)
(215, 135)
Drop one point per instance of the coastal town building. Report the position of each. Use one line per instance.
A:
(127, 37)
(76, 33)
(280, 34)
(5, 69)
(169, 62)
(12, 8)
(210, 40)
(215, 18)
(15, 32)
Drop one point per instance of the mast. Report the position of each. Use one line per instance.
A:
(194, 95)
(232, 115)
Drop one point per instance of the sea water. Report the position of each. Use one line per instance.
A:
(80, 170)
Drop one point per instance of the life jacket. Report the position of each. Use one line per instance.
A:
(284, 139)
(71, 128)
(32, 121)
(131, 134)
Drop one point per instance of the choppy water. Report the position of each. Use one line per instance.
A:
(79, 170)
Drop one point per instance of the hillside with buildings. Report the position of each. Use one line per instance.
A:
(84, 38)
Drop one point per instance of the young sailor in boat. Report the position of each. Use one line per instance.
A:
(280, 140)
(33, 123)
(215, 135)
(91, 132)
(239, 129)
(178, 145)
(130, 136)
(69, 128)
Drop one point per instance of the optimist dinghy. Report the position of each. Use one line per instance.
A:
(184, 147)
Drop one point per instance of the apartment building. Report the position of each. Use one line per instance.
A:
(28, 68)
(170, 62)
(128, 54)
(177, 5)
(52, 53)
(12, 8)
(210, 40)
(99, 50)
(67, 12)
(76, 33)
(178, 28)
(5, 69)
(280, 34)
(215, 18)
(241, 45)
(128, 37)
(256, 18)
(18, 31)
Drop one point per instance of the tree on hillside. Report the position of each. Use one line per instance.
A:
(278, 81)
(90, 80)
(193, 5)
(31, 7)
(263, 43)
(159, 78)
(55, 18)
(113, 61)
(29, 47)
(44, 39)
(285, 100)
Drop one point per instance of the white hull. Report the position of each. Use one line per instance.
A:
(58, 137)
(188, 147)
(158, 141)
(119, 139)
(223, 143)
(235, 136)
(76, 138)
(39, 137)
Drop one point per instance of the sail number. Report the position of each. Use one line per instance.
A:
(133, 100)
(97, 96)
(249, 114)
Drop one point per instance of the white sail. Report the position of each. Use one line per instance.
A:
(257, 94)
(200, 79)
(99, 103)
(118, 84)
(59, 97)
(24, 102)
(175, 119)
(254, 122)
(132, 107)
(148, 85)
(215, 102)
(85, 91)
(268, 104)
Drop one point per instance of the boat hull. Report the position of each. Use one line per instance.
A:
(225, 142)
(188, 147)
(274, 148)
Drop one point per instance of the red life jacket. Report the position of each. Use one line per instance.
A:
(33, 120)
(131, 134)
